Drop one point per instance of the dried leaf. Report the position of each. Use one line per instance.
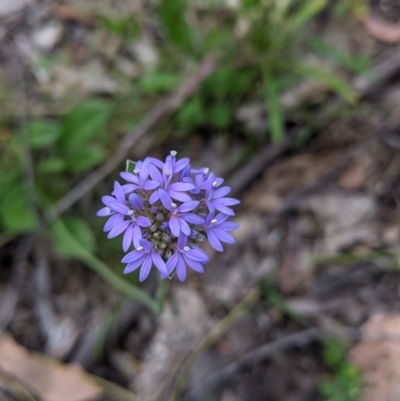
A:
(382, 30)
(44, 377)
(379, 361)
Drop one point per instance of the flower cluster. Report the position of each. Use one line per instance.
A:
(164, 210)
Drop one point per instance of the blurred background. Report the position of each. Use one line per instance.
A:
(296, 104)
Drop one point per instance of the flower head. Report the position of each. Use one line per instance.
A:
(165, 210)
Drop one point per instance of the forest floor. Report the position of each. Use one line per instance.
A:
(305, 306)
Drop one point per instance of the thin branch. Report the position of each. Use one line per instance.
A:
(162, 109)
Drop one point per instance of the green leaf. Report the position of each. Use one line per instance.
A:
(16, 212)
(158, 82)
(81, 232)
(130, 166)
(84, 122)
(85, 159)
(42, 133)
(274, 109)
(53, 165)
(309, 10)
(172, 16)
(192, 113)
(331, 80)
(220, 116)
(71, 247)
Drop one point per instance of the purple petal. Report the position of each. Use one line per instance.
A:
(165, 200)
(222, 208)
(179, 196)
(196, 266)
(136, 201)
(112, 222)
(129, 177)
(182, 241)
(192, 218)
(127, 241)
(197, 255)
(155, 174)
(214, 241)
(228, 201)
(154, 197)
(167, 173)
(171, 263)
(159, 263)
(143, 169)
(174, 226)
(149, 185)
(118, 192)
(220, 192)
(223, 236)
(156, 162)
(145, 244)
(137, 235)
(227, 226)
(108, 199)
(128, 188)
(118, 229)
(181, 269)
(130, 267)
(184, 227)
(143, 221)
(188, 206)
(181, 164)
(181, 186)
(105, 211)
(120, 208)
(145, 270)
(209, 188)
(210, 217)
(132, 256)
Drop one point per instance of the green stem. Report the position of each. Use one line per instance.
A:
(162, 290)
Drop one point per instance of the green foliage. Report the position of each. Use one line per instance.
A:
(84, 159)
(42, 133)
(158, 82)
(345, 384)
(66, 241)
(130, 166)
(83, 122)
(17, 215)
(173, 17)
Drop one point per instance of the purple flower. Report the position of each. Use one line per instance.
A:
(180, 217)
(185, 255)
(215, 197)
(144, 256)
(216, 229)
(139, 177)
(166, 209)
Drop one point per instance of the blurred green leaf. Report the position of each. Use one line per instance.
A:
(85, 159)
(70, 246)
(173, 17)
(274, 109)
(331, 80)
(42, 133)
(158, 82)
(305, 13)
(83, 122)
(16, 212)
(81, 231)
(130, 166)
(220, 116)
(192, 113)
(52, 165)
(358, 64)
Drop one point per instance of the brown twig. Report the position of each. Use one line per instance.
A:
(162, 109)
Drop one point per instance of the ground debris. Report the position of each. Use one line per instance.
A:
(184, 322)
